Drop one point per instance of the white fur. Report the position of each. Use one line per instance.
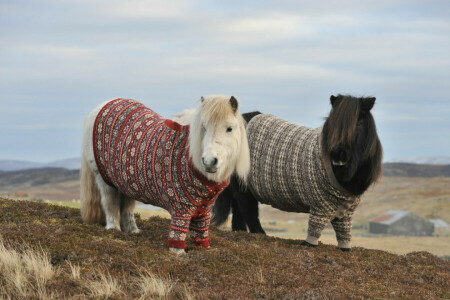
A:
(184, 117)
(208, 141)
(117, 216)
(205, 141)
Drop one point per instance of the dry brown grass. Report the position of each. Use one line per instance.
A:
(103, 286)
(151, 286)
(75, 270)
(24, 274)
(239, 265)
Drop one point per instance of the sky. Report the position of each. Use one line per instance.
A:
(59, 59)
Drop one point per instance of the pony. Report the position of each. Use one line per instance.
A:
(321, 171)
(130, 153)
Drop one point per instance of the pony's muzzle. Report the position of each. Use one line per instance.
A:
(210, 164)
(339, 158)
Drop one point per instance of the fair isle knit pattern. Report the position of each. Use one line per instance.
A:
(288, 173)
(146, 157)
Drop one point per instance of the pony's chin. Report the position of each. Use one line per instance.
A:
(217, 177)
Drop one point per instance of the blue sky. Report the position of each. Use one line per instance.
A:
(59, 59)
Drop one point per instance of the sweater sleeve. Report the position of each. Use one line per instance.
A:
(320, 215)
(343, 226)
(199, 230)
(179, 227)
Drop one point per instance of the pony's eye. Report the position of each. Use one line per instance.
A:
(229, 129)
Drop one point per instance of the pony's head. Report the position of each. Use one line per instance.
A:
(350, 141)
(218, 143)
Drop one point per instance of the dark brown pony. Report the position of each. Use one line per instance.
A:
(349, 140)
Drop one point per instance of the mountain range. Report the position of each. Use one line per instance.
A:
(16, 165)
(428, 160)
(74, 163)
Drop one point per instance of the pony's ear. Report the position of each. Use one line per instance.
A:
(202, 99)
(243, 161)
(234, 103)
(367, 103)
(333, 100)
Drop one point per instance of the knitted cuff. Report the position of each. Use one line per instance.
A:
(344, 244)
(312, 240)
(201, 242)
(180, 244)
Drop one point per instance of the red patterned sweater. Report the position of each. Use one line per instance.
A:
(146, 157)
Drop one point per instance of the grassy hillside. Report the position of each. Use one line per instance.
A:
(88, 261)
(35, 177)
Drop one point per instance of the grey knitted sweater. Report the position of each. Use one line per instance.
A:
(288, 172)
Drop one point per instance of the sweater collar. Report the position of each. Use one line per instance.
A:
(212, 186)
(326, 165)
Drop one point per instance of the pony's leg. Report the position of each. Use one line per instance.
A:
(248, 207)
(343, 227)
(237, 221)
(179, 227)
(127, 222)
(110, 203)
(199, 230)
(316, 224)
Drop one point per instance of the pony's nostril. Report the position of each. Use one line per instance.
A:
(343, 156)
(210, 162)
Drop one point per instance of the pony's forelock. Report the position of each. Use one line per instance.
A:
(340, 125)
(340, 132)
(213, 110)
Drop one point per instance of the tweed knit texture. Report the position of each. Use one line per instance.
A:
(146, 157)
(288, 172)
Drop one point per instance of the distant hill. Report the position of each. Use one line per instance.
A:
(427, 160)
(34, 177)
(16, 165)
(415, 170)
(39, 176)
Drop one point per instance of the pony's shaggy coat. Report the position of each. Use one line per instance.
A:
(138, 155)
(323, 171)
(297, 181)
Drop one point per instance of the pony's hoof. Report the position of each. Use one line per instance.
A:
(177, 251)
(305, 243)
(113, 227)
(133, 230)
(346, 249)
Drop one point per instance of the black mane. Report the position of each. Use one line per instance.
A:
(349, 138)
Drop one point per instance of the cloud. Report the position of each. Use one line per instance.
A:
(149, 9)
(60, 58)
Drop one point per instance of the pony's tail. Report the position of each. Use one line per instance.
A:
(91, 210)
(222, 207)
